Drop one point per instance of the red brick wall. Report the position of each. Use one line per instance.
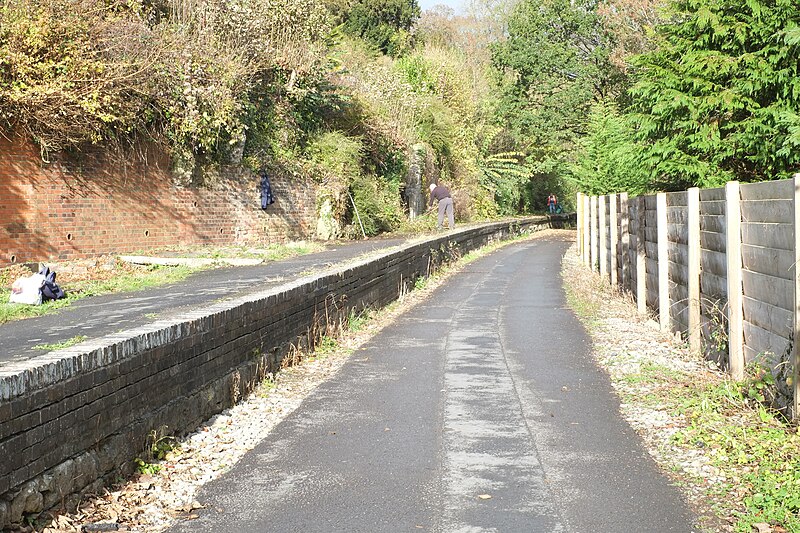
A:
(92, 205)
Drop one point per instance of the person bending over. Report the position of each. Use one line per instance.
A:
(442, 195)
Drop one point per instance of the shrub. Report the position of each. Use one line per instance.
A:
(72, 71)
(718, 99)
(337, 160)
(76, 71)
(610, 160)
(378, 205)
(383, 23)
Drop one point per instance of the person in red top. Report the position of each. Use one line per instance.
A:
(442, 195)
(552, 202)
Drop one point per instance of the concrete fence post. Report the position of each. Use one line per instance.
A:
(613, 224)
(796, 341)
(641, 257)
(663, 262)
(625, 240)
(593, 234)
(693, 222)
(733, 252)
(602, 224)
(586, 229)
(579, 216)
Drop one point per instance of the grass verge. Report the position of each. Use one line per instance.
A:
(128, 278)
(125, 282)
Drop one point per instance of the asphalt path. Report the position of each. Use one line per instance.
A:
(479, 410)
(102, 315)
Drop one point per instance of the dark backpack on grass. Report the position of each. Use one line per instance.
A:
(50, 289)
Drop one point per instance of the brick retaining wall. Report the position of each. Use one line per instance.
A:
(71, 209)
(73, 418)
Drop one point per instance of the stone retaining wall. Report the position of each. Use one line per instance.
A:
(97, 205)
(73, 419)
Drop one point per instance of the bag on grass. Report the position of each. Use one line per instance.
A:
(50, 289)
(27, 290)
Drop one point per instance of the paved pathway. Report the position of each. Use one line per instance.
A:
(480, 410)
(102, 315)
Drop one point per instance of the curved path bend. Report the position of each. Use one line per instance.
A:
(480, 410)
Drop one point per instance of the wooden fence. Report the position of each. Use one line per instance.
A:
(717, 266)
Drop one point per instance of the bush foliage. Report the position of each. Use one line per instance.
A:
(718, 99)
(268, 83)
(76, 71)
(512, 102)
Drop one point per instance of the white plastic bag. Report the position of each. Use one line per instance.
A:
(27, 290)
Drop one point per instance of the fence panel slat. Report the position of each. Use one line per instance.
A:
(712, 223)
(715, 242)
(780, 236)
(776, 291)
(713, 263)
(678, 234)
(768, 190)
(677, 214)
(679, 198)
(679, 274)
(768, 317)
(679, 253)
(652, 290)
(712, 208)
(650, 218)
(781, 211)
(712, 195)
(761, 341)
(769, 261)
(713, 287)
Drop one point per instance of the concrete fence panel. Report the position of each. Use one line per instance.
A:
(767, 273)
(719, 266)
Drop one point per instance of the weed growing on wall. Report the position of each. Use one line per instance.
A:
(159, 446)
(77, 339)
